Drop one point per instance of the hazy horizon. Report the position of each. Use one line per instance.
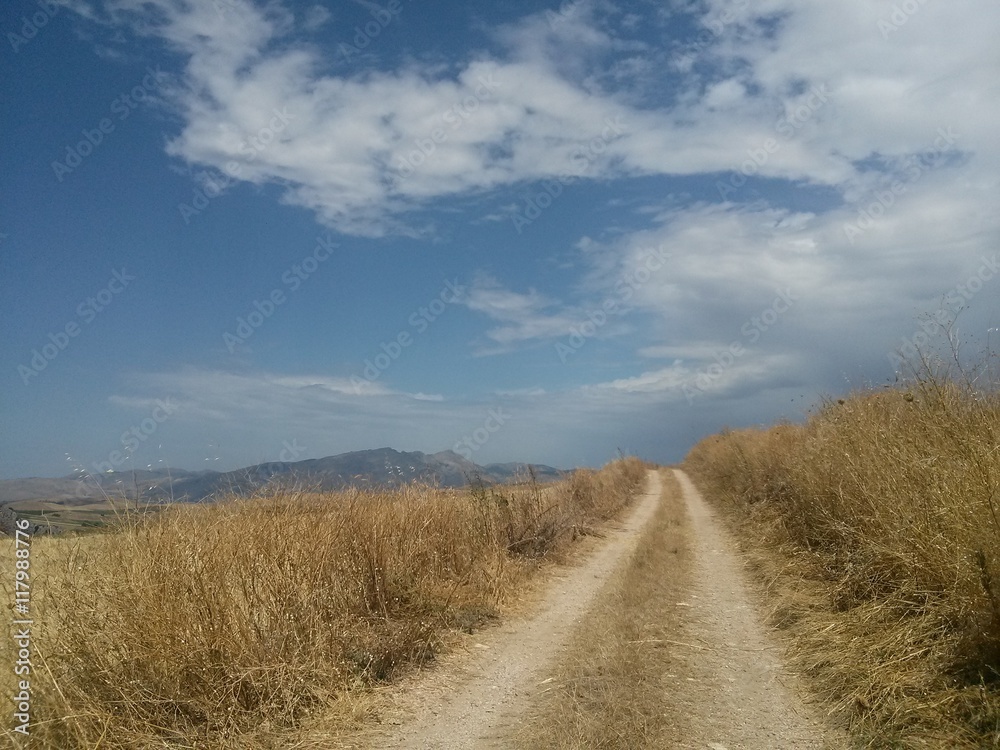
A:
(76, 472)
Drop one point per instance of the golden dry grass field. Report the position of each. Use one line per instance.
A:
(875, 528)
(240, 623)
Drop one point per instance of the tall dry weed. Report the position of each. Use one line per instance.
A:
(222, 625)
(886, 505)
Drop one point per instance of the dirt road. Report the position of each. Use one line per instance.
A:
(473, 702)
(731, 684)
(740, 695)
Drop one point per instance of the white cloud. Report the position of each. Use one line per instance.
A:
(526, 317)
(342, 386)
(681, 383)
(725, 94)
(885, 95)
(848, 105)
(315, 17)
(666, 379)
(262, 409)
(351, 147)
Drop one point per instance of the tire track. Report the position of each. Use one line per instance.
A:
(480, 706)
(736, 688)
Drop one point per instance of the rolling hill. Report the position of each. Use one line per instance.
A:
(378, 467)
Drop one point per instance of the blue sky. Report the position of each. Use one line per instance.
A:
(235, 232)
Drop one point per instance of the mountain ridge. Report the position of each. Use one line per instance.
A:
(378, 467)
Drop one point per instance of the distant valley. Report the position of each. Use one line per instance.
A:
(74, 501)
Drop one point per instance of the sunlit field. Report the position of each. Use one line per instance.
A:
(235, 624)
(877, 527)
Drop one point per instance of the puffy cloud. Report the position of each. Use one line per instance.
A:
(884, 123)
(365, 150)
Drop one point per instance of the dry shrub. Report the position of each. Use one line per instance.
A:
(880, 521)
(226, 625)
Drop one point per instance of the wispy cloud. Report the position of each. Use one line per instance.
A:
(524, 316)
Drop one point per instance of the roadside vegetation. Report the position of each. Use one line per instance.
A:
(239, 624)
(876, 527)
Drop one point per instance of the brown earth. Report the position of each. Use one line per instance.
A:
(727, 674)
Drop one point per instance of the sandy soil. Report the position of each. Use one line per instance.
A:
(730, 681)
(474, 701)
(736, 690)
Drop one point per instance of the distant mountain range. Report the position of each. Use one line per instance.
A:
(383, 467)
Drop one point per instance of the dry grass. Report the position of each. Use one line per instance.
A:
(614, 684)
(235, 624)
(876, 526)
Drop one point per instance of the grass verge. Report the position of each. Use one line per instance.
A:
(876, 527)
(235, 624)
(614, 683)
